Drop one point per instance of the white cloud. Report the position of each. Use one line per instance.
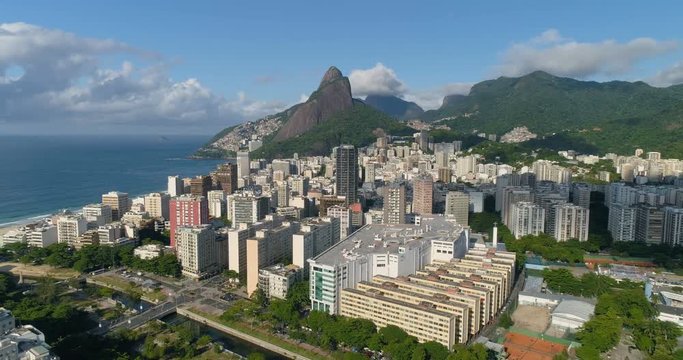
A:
(64, 85)
(566, 57)
(431, 99)
(672, 75)
(382, 80)
(378, 80)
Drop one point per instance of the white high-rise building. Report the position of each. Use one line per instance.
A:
(511, 196)
(387, 249)
(527, 219)
(110, 233)
(97, 214)
(42, 236)
(394, 204)
(458, 205)
(196, 247)
(175, 186)
(157, 205)
(315, 236)
(217, 203)
(70, 227)
(344, 215)
(672, 233)
(622, 222)
(571, 222)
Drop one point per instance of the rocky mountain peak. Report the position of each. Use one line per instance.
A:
(330, 76)
(333, 95)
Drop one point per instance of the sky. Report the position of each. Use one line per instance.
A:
(195, 67)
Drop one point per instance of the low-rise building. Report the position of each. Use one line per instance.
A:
(276, 280)
(147, 252)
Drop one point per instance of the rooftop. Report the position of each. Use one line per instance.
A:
(388, 238)
(577, 308)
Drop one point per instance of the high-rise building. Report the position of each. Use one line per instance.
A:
(527, 219)
(385, 249)
(571, 222)
(511, 196)
(315, 236)
(344, 215)
(225, 177)
(649, 224)
(118, 202)
(175, 186)
(243, 165)
(622, 222)
(42, 236)
(196, 249)
(423, 195)
(283, 166)
(200, 185)
(653, 155)
(300, 185)
(581, 196)
(247, 209)
(216, 200)
(458, 205)
(673, 226)
(268, 247)
(282, 194)
(97, 214)
(187, 211)
(394, 204)
(445, 175)
(346, 183)
(70, 227)
(157, 205)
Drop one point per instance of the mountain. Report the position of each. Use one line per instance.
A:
(395, 106)
(328, 118)
(615, 116)
(357, 126)
(333, 95)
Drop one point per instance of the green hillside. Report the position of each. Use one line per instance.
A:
(614, 116)
(354, 126)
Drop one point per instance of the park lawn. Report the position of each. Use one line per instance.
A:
(129, 286)
(262, 334)
(38, 270)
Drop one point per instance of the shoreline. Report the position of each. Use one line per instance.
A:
(30, 219)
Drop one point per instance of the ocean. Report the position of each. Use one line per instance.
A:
(40, 175)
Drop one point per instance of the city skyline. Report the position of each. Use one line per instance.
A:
(190, 72)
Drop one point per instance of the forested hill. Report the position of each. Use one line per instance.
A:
(613, 116)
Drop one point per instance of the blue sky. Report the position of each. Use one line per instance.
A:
(253, 57)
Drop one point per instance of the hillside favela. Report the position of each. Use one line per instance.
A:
(364, 180)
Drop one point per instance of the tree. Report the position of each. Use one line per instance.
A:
(505, 321)
(587, 352)
(392, 334)
(203, 341)
(435, 350)
(283, 311)
(601, 332)
(46, 290)
(298, 294)
(355, 333)
(260, 298)
(231, 274)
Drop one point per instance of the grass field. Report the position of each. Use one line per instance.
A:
(37, 270)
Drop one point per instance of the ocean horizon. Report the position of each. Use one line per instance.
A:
(42, 175)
